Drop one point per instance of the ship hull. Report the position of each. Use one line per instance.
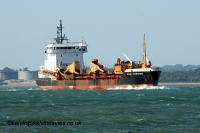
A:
(127, 79)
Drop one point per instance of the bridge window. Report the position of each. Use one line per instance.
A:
(84, 48)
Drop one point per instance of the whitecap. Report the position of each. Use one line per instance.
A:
(34, 89)
(12, 90)
(144, 87)
(99, 93)
(24, 101)
(140, 119)
(140, 95)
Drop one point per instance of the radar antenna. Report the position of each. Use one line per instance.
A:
(60, 38)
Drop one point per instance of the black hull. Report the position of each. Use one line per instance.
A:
(140, 78)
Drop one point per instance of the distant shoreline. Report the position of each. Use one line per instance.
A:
(20, 85)
(179, 83)
(32, 84)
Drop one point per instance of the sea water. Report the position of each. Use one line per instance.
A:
(144, 109)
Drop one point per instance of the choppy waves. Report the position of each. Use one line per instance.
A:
(19, 88)
(144, 109)
(144, 87)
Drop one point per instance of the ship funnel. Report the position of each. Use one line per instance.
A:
(128, 59)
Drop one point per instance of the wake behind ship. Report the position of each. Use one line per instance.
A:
(64, 69)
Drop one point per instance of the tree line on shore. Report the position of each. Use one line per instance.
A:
(7, 69)
(179, 67)
(180, 76)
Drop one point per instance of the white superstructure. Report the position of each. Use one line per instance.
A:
(62, 53)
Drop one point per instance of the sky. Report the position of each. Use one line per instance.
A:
(110, 28)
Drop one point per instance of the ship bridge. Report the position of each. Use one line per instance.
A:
(71, 47)
(63, 52)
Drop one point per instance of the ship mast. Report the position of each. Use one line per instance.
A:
(144, 51)
(60, 38)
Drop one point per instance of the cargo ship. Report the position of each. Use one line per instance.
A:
(64, 69)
